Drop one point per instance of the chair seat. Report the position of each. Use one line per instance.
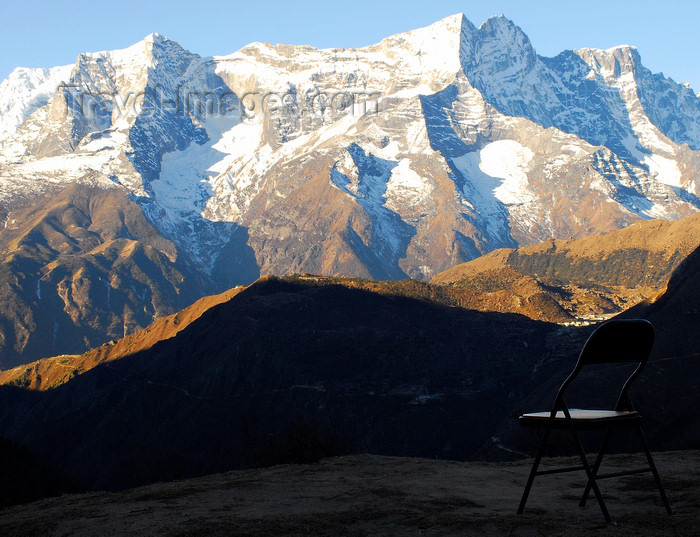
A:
(582, 418)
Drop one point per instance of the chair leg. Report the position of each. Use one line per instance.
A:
(596, 467)
(654, 471)
(533, 471)
(591, 476)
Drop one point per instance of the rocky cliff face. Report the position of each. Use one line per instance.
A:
(397, 160)
(82, 268)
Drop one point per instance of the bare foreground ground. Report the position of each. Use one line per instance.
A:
(376, 496)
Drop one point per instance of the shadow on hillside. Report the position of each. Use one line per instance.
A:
(293, 371)
(286, 371)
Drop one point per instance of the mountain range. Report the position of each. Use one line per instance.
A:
(136, 181)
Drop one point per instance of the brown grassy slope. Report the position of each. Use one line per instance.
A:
(591, 277)
(52, 372)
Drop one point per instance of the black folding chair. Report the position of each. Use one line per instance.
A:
(614, 342)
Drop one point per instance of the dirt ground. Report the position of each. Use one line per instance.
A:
(368, 495)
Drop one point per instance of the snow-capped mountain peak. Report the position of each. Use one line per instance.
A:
(25, 91)
(213, 146)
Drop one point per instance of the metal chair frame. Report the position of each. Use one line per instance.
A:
(615, 341)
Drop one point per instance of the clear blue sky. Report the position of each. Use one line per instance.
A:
(48, 33)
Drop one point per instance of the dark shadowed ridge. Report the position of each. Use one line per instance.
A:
(675, 359)
(287, 371)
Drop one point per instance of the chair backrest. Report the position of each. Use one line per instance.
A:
(613, 342)
(618, 340)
